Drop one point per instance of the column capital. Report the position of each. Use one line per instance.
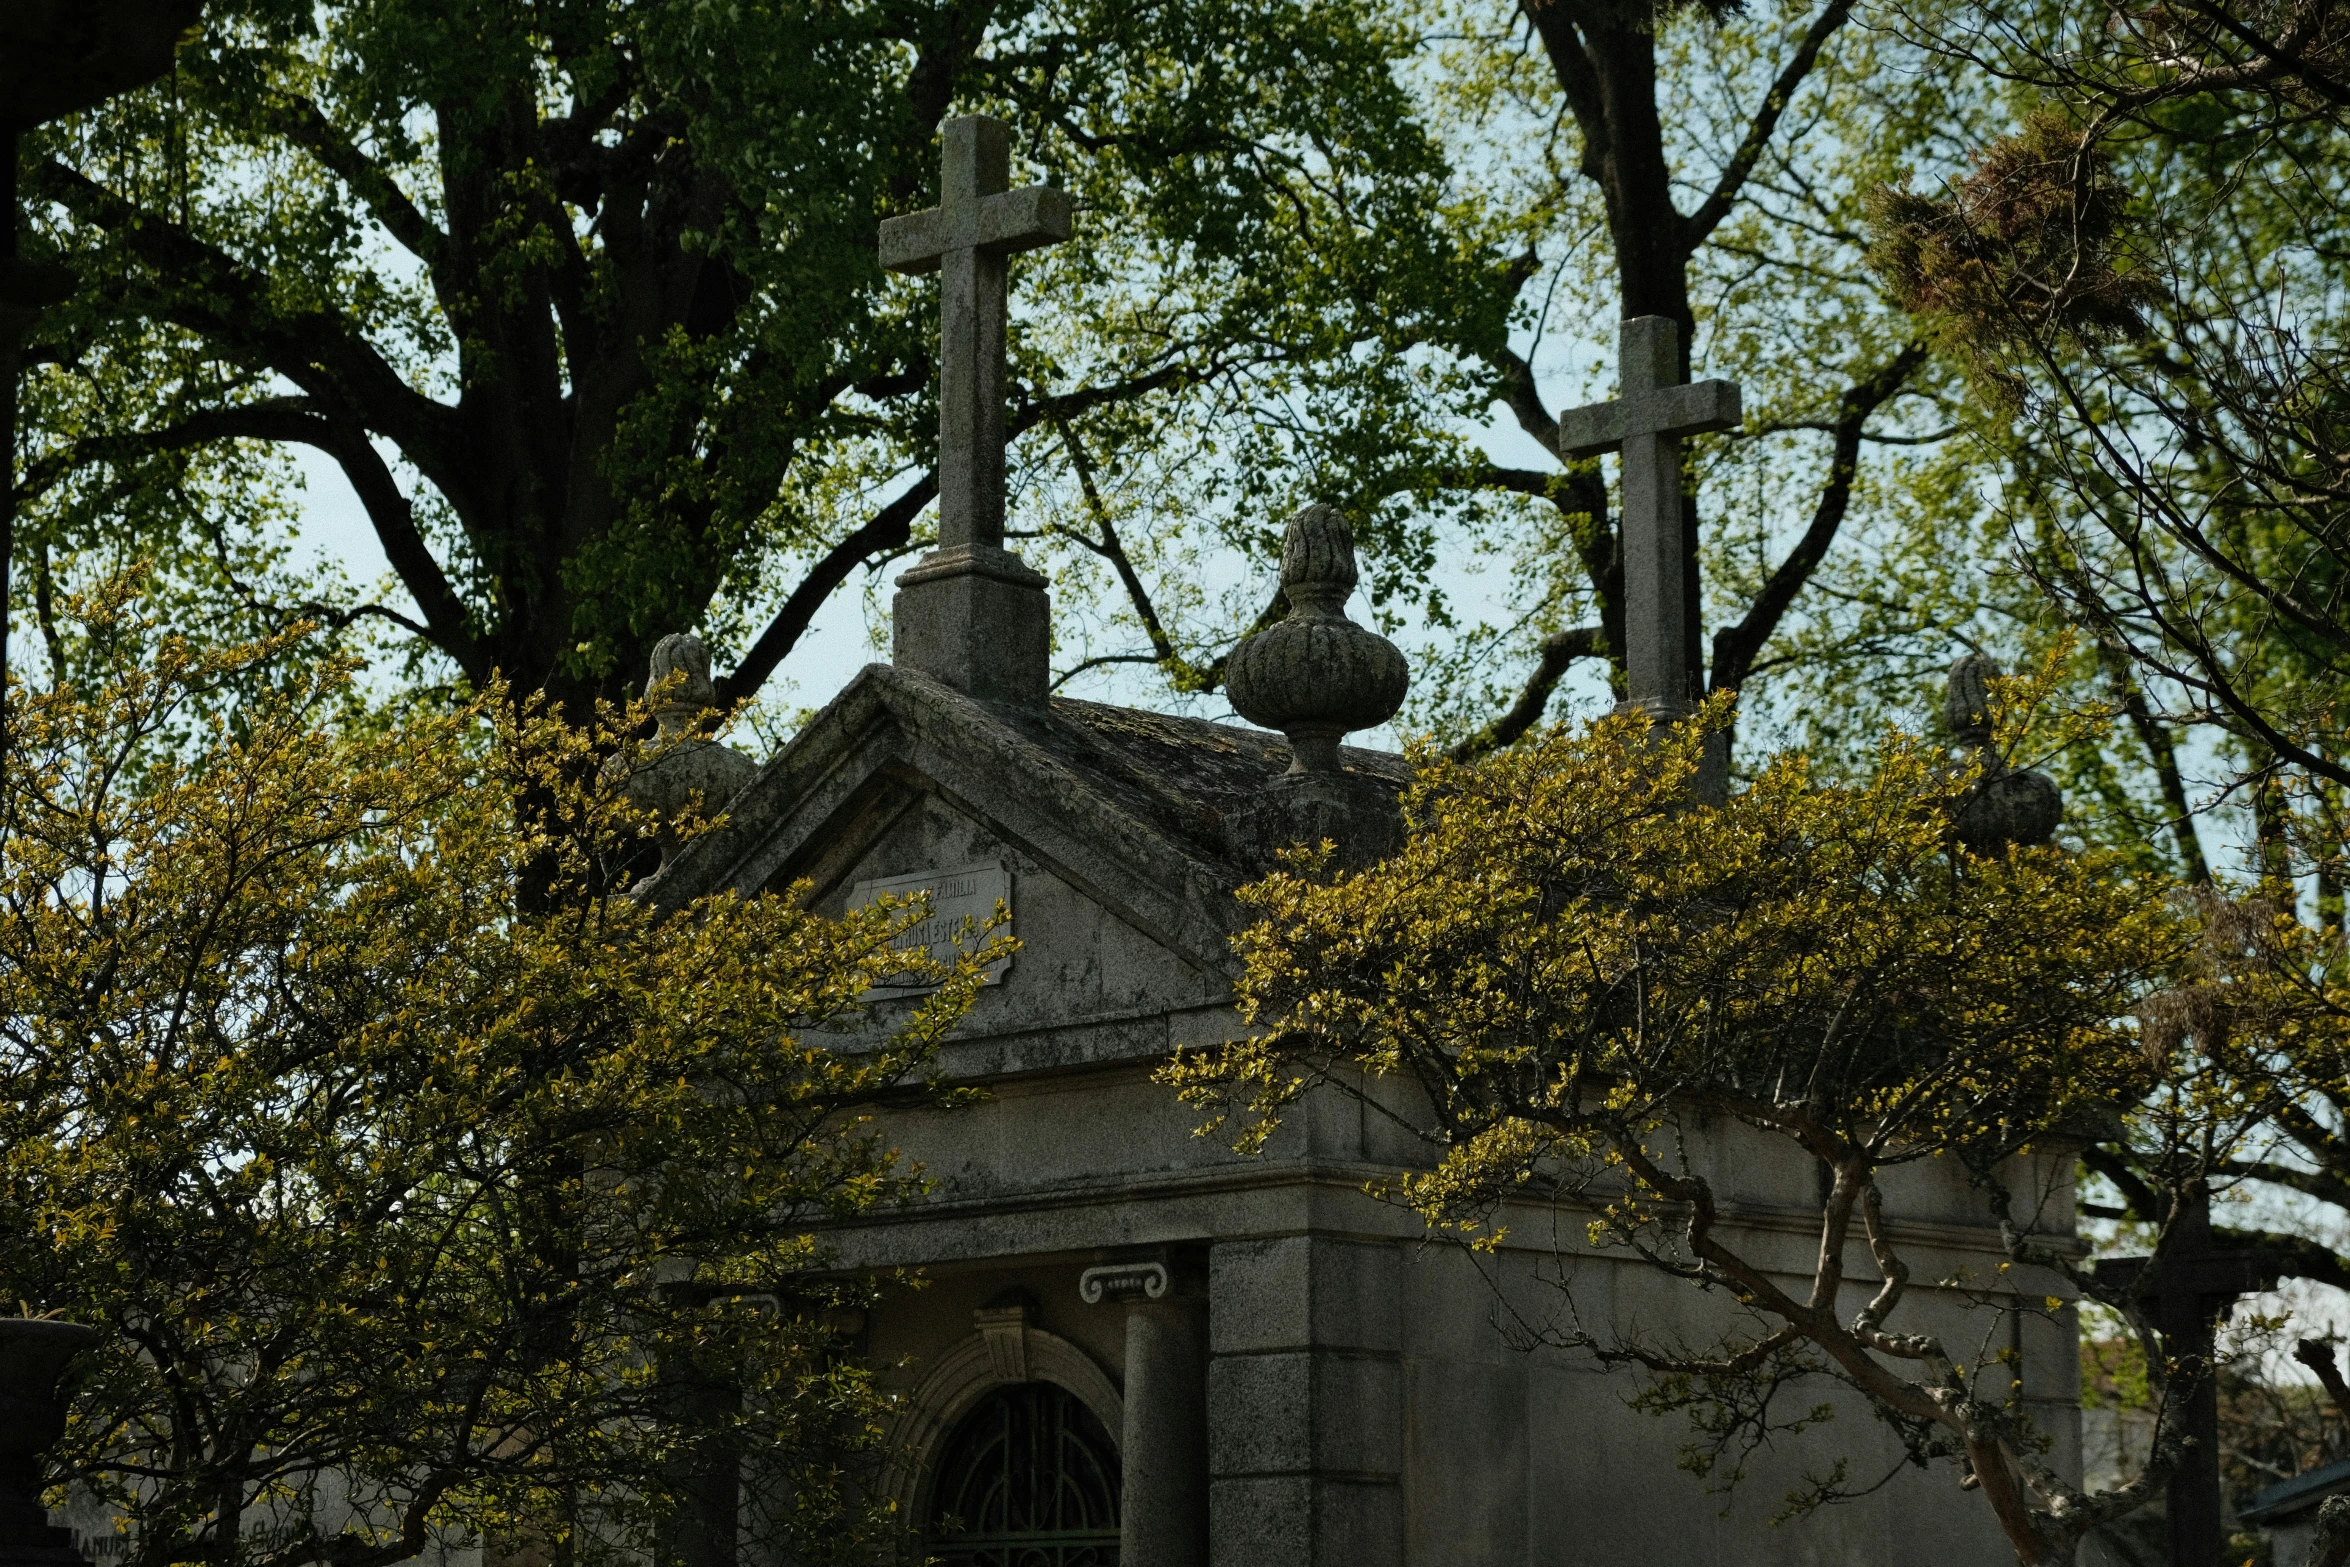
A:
(1123, 1282)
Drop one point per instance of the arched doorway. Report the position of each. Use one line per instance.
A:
(1028, 1478)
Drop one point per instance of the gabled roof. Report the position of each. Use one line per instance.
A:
(2288, 1498)
(1142, 811)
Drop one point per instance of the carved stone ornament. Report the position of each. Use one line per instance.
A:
(1005, 1331)
(2007, 805)
(691, 773)
(1316, 675)
(1122, 1281)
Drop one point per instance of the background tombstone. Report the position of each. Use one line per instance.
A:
(33, 1356)
(2191, 1285)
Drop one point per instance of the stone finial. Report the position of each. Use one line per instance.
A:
(690, 773)
(1316, 675)
(1966, 700)
(678, 709)
(2007, 805)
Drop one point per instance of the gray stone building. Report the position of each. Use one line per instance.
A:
(1135, 1346)
(1282, 1370)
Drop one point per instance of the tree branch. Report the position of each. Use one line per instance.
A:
(318, 350)
(1724, 196)
(887, 530)
(301, 421)
(1111, 548)
(2163, 753)
(1735, 647)
(2318, 1356)
(1516, 388)
(1102, 660)
(1578, 79)
(1559, 649)
(300, 122)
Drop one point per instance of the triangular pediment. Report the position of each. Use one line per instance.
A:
(1128, 810)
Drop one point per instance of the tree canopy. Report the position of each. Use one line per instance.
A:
(411, 1214)
(1574, 985)
(588, 314)
(585, 303)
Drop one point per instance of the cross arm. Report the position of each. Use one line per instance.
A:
(1586, 432)
(1688, 409)
(1024, 219)
(2217, 1275)
(1009, 221)
(1695, 408)
(916, 242)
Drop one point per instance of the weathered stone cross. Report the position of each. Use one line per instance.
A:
(976, 226)
(2192, 1286)
(1646, 424)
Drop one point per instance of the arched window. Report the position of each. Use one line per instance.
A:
(1027, 1479)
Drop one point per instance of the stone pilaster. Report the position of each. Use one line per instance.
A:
(1305, 1404)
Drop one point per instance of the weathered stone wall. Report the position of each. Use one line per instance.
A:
(1366, 1400)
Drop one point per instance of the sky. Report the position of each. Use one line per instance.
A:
(334, 530)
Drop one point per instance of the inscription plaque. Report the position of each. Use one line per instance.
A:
(965, 896)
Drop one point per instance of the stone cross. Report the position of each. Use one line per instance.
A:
(970, 234)
(2191, 1288)
(1646, 423)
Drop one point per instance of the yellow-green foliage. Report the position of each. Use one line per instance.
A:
(1567, 946)
(374, 1173)
(1578, 984)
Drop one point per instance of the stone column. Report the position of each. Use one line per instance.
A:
(1163, 1452)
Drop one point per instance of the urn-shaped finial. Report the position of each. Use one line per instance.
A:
(1316, 675)
(686, 657)
(690, 773)
(2007, 805)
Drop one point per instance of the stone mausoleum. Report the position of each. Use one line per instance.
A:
(1135, 1346)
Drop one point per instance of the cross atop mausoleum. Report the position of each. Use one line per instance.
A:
(976, 227)
(1646, 422)
(973, 614)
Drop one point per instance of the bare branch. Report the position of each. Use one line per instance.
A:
(1516, 388)
(1559, 649)
(1736, 647)
(888, 530)
(1765, 124)
(1111, 548)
